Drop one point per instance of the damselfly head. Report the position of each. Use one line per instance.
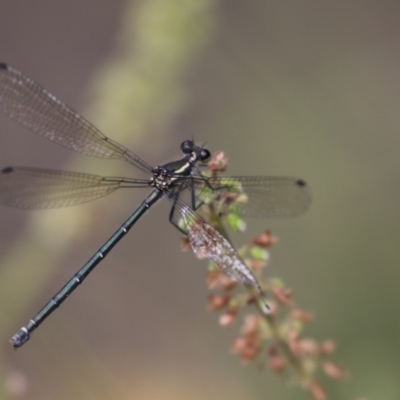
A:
(200, 153)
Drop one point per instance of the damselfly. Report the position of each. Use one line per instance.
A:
(31, 188)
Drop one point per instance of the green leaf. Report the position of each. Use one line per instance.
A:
(259, 253)
(235, 222)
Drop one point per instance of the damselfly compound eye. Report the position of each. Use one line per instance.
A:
(205, 155)
(187, 146)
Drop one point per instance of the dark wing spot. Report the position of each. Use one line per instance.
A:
(3, 65)
(300, 182)
(7, 170)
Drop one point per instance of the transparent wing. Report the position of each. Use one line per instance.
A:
(260, 196)
(207, 243)
(33, 188)
(41, 112)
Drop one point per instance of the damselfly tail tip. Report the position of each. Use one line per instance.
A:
(19, 338)
(3, 65)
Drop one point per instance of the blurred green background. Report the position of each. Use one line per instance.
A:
(306, 88)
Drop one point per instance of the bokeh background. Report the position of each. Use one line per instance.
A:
(306, 88)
